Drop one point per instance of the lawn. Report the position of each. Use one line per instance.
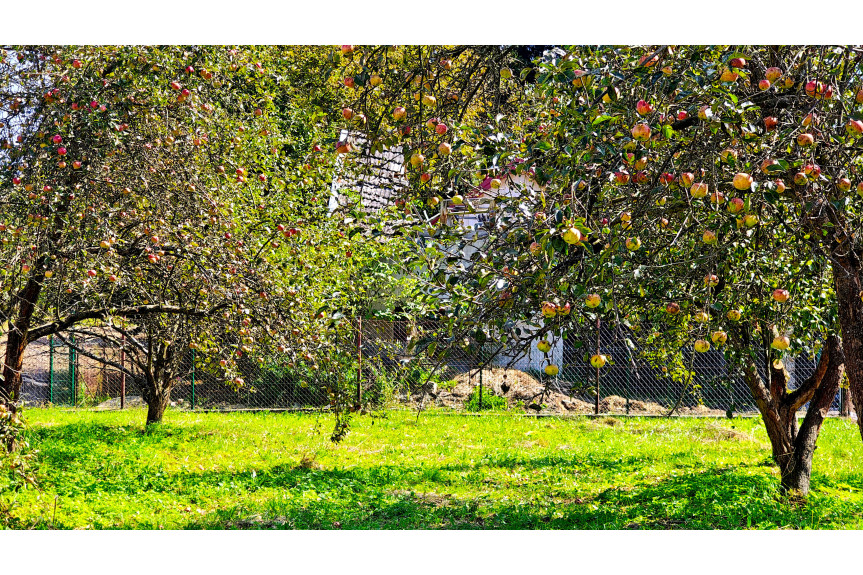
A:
(97, 470)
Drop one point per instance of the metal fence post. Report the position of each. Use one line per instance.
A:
(73, 359)
(123, 373)
(360, 362)
(51, 369)
(626, 385)
(596, 404)
(480, 381)
(193, 379)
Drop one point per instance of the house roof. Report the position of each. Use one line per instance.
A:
(378, 178)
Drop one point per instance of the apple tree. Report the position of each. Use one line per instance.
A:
(695, 195)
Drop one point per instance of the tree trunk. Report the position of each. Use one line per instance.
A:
(792, 447)
(156, 393)
(16, 343)
(846, 277)
(798, 475)
(156, 409)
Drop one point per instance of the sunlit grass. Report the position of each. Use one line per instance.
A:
(265, 470)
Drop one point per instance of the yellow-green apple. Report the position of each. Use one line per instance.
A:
(698, 190)
(742, 181)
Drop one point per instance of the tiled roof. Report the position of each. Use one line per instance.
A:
(378, 177)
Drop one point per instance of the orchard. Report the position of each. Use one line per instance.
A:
(691, 197)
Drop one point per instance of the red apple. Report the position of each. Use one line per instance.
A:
(643, 108)
(736, 205)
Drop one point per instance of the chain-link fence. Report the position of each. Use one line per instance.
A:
(416, 364)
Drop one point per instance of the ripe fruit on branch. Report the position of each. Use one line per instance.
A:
(686, 179)
(750, 220)
(709, 237)
(643, 108)
(728, 155)
(621, 177)
(764, 85)
(399, 113)
(551, 370)
(458, 199)
(717, 198)
(535, 248)
(781, 342)
(441, 129)
(854, 127)
(572, 236)
(593, 300)
(770, 123)
(347, 49)
(736, 205)
(702, 346)
(779, 186)
(417, 159)
(543, 346)
(641, 132)
(773, 73)
(347, 113)
(733, 315)
(598, 360)
(742, 181)
(711, 280)
(549, 310)
(632, 244)
(444, 149)
(805, 140)
(719, 337)
(800, 179)
(698, 190)
(738, 63)
(429, 100)
(672, 308)
(701, 317)
(780, 295)
(728, 76)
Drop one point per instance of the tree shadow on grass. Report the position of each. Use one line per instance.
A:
(709, 499)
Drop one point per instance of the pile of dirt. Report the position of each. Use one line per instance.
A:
(516, 386)
(617, 404)
(520, 388)
(131, 401)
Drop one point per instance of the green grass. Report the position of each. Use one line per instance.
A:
(276, 470)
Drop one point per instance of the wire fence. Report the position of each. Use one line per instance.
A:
(415, 364)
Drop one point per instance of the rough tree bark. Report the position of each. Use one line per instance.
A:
(793, 446)
(847, 279)
(16, 342)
